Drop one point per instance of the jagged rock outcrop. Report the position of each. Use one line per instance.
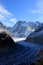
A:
(5, 39)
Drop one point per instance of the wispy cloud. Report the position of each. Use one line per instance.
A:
(12, 20)
(4, 11)
(37, 11)
(6, 16)
(2, 16)
(39, 7)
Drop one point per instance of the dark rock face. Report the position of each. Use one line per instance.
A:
(5, 40)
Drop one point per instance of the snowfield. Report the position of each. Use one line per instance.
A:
(16, 39)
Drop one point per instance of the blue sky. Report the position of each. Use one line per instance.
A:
(26, 10)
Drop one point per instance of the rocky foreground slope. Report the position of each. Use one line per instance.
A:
(12, 53)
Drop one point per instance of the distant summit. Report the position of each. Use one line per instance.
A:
(23, 28)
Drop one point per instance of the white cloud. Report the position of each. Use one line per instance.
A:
(2, 17)
(39, 7)
(37, 11)
(34, 11)
(13, 20)
(6, 16)
(4, 11)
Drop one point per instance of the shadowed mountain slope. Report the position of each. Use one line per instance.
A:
(37, 36)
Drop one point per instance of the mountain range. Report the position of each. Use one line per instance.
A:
(22, 28)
